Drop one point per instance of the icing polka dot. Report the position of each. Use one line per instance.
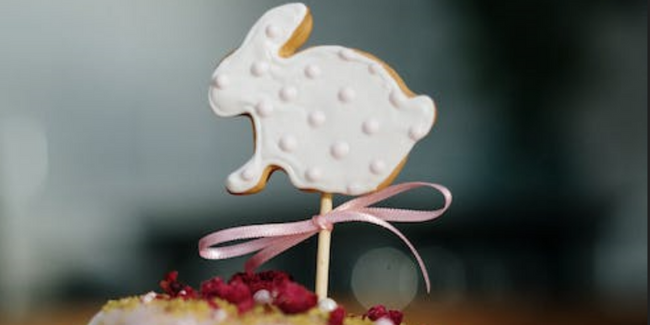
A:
(264, 108)
(346, 54)
(288, 143)
(312, 71)
(347, 94)
(374, 68)
(316, 119)
(314, 174)
(370, 126)
(417, 132)
(231, 181)
(221, 81)
(377, 166)
(397, 98)
(273, 31)
(288, 93)
(340, 149)
(354, 188)
(248, 174)
(260, 68)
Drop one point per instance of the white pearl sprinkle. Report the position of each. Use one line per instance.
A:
(417, 132)
(273, 31)
(259, 68)
(347, 94)
(397, 98)
(316, 118)
(149, 297)
(288, 93)
(377, 166)
(248, 174)
(264, 108)
(370, 126)
(288, 143)
(339, 149)
(383, 321)
(374, 68)
(354, 188)
(327, 305)
(314, 174)
(346, 54)
(219, 315)
(221, 81)
(263, 297)
(312, 71)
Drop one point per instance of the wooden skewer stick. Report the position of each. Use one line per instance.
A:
(323, 257)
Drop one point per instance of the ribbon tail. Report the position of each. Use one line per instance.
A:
(347, 216)
(275, 248)
(423, 267)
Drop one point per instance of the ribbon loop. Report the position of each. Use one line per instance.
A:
(270, 240)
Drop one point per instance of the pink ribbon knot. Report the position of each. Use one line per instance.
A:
(269, 240)
(322, 223)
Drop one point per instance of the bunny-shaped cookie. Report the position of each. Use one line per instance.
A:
(337, 120)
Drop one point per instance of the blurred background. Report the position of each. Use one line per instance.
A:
(112, 165)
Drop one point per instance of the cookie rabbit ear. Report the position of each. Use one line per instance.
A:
(281, 30)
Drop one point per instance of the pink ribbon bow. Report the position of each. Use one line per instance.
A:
(273, 239)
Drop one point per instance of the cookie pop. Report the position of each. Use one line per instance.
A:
(335, 119)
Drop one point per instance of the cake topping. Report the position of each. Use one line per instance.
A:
(235, 292)
(277, 298)
(175, 289)
(379, 312)
(336, 316)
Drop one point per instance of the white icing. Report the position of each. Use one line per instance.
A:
(346, 94)
(374, 68)
(312, 71)
(370, 126)
(317, 118)
(417, 132)
(319, 96)
(264, 108)
(397, 98)
(377, 166)
(248, 174)
(273, 31)
(347, 54)
(221, 81)
(259, 68)
(288, 93)
(354, 188)
(314, 174)
(288, 143)
(340, 149)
